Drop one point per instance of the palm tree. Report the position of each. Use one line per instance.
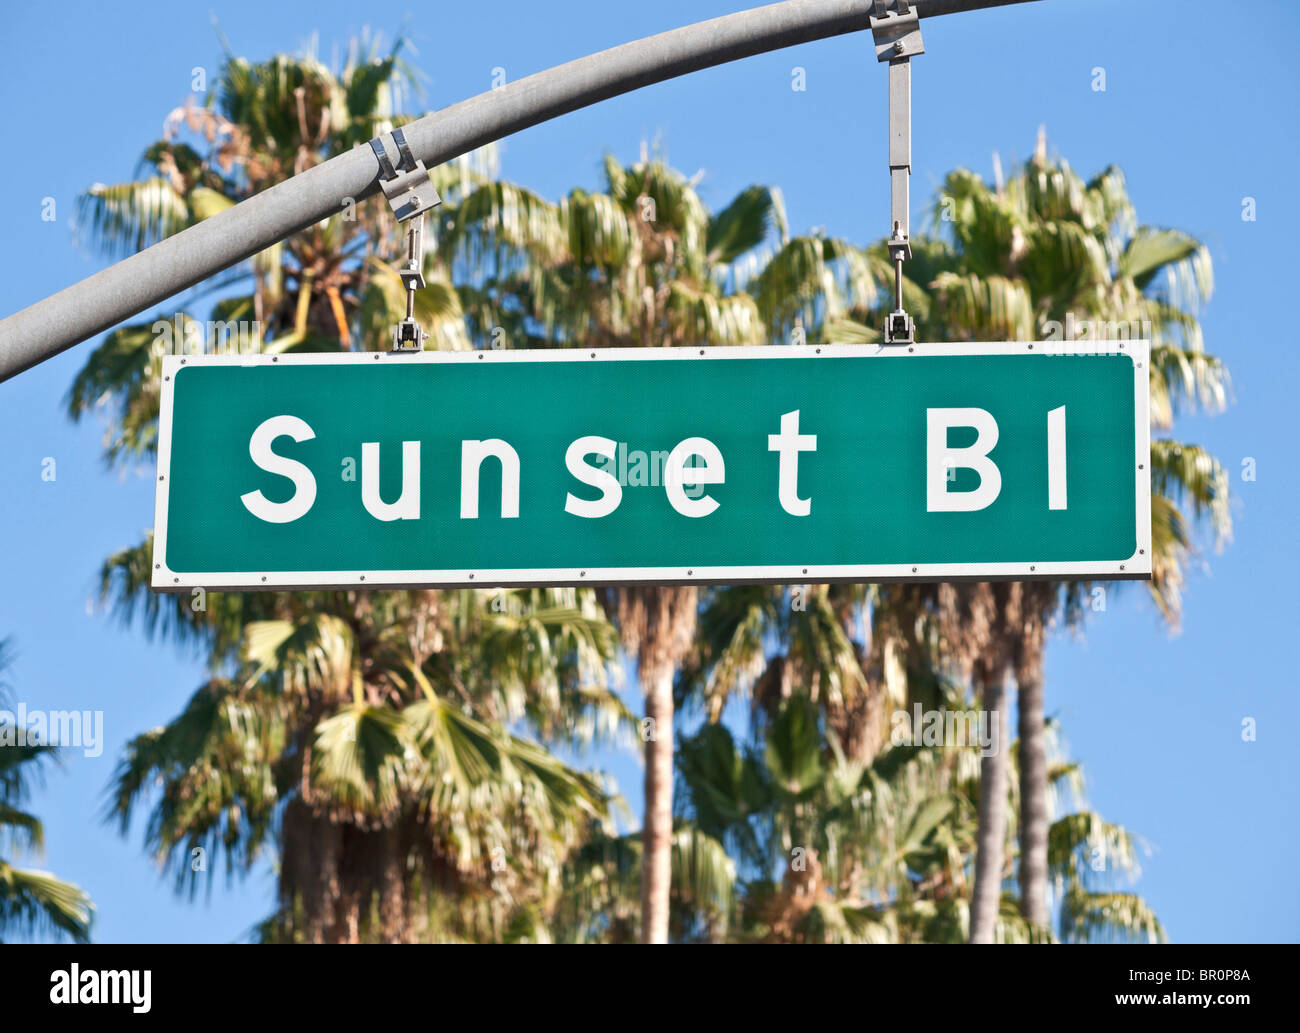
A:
(829, 849)
(375, 741)
(372, 752)
(641, 264)
(854, 660)
(1047, 249)
(31, 902)
(329, 287)
(1044, 246)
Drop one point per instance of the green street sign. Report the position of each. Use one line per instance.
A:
(771, 464)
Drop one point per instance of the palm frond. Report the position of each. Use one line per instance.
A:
(38, 902)
(1150, 250)
(129, 217)
(1116, 917)
(754, 215)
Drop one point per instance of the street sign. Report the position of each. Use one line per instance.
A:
(793, 464)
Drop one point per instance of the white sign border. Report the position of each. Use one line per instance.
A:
(1136, 567)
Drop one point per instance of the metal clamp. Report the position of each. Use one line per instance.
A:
(410, 194)
(896, 32)
(408, 188)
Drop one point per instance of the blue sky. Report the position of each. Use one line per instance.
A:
(1156, 719)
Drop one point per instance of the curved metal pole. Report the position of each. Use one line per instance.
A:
(135, 284)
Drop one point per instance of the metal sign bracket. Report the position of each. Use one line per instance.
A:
(896, 31)
(410, 194)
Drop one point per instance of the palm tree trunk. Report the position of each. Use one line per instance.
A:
(1033, 782)
(991, 834)
(657, 830)
(658, 626)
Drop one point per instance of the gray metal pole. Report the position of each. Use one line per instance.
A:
(137, 283)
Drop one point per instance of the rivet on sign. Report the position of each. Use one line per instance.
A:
(1142, 552)
(689, 573)
(176, 581)
(363, 577)
(376, 356)
(182, 362)
(480, 355)
(805, 570)
(819, 351)
(263, 577)
(582, 573)
(911, 349)
(275, 358)
(1121, 566)
(471, 577)
(913, 570)
(160, 477)
(166, 378)
(157, 566)
(1032, 569)
(701, 351)
(1031, 347)
(593, 355)
(1141, 466)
